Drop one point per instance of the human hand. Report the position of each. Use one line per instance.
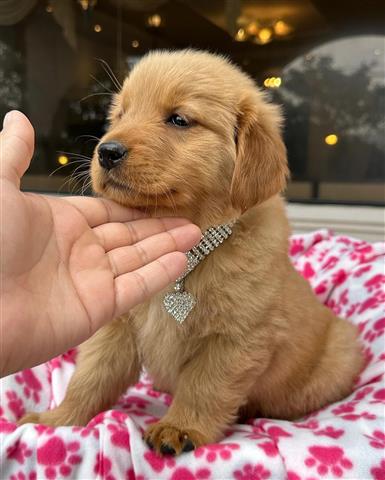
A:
(70, 265)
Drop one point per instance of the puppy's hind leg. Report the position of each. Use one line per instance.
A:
(107, 364)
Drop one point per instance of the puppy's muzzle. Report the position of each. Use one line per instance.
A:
(111, 154)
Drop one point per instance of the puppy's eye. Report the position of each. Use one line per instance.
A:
(178, 120)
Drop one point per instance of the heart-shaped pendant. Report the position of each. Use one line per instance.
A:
(179, 305)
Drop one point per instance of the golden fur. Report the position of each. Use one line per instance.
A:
(258, 341)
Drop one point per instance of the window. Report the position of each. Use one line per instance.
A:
(322, 61)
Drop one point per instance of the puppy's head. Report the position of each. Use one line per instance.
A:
(190, 133)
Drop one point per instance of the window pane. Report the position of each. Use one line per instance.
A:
(323, 62)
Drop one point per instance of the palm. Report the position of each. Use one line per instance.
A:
(64, 277)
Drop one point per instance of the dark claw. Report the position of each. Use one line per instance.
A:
(166, 449)
(188, 446)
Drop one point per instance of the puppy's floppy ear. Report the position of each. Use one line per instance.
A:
(261, 165)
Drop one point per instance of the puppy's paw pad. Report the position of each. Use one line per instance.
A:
(169, 440)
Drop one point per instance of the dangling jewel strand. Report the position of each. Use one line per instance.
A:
(180, 303)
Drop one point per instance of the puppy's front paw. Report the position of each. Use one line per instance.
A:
(168, 439)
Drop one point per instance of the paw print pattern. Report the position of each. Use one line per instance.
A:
(133, 400)
(328, 460)
(250, 472)
(22, 476)
(378, 330)
(31, 384)
(131, 475)
(44, 430)
(330, 432)
(58, 362)
(372, 303)
(296, 246)
(19, 451)
(183, 473)
(378, 472)
(347, 411)
(119, 436)
(308, 271)
(158, 463)
(86, 431)
(6, 426)
(377, 439)
(58, 457)
(103, 467)
(269, 448)
(375, 283)
(211, 453)
(15, 404)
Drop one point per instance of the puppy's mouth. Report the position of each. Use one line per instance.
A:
(111, 183)
(139, 197)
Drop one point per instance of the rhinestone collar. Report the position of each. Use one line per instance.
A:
(180, 303)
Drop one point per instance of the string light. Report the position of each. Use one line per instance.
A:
(264, 35)
(331, 139)
(63, 159)
(154, 20)
(281, 28)
(272, 82)
(261, 32)
(240, 36)
(135, 44)
(97, 28)
(87, 4)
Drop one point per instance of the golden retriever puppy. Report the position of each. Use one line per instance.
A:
(191, 135)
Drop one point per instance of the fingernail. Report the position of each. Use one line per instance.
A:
(8, 119)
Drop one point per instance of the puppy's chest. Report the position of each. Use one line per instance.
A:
(163, 344)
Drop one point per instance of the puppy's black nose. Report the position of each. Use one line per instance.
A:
(111, 154)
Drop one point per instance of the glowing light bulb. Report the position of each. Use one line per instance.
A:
(331, 139)
(240, 36)
(252, 28)
(63, 159)
(154, 20)
(281, 28)
(265, 35)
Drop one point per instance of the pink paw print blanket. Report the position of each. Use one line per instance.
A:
(343, 440)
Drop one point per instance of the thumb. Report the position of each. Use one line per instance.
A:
(16, 146)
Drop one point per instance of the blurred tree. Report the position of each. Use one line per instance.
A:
(320, 99)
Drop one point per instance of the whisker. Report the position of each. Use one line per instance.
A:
(73, 154)
(110, 73)
(94, 95)
(169, 196)
(90, 137)
(173, 204)
(74, 177)
(78, 182)
(85, 185)
(101, 84)
(66, 165)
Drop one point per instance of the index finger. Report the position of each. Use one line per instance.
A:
(98, 211)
